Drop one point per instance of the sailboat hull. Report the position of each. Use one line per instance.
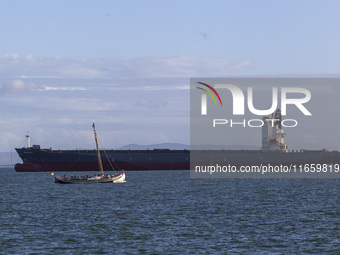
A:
(117, 179)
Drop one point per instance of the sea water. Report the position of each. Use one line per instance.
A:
(166, 212)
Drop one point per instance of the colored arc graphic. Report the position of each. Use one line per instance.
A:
(213, 90)
(208, 93)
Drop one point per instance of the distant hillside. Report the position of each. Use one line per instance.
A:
(172, 146)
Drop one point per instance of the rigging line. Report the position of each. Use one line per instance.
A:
(109, 160)
(107, 156)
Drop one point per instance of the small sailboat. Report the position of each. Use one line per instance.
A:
(98, 178)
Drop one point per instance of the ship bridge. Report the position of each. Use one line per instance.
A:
(272, 133)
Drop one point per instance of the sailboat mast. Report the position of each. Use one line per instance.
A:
(100, 164)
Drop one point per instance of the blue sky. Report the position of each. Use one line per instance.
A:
(127, 64)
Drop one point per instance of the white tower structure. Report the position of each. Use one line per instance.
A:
(273, 134)
(28, 137)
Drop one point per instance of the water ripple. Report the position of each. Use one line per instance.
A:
(166, 212)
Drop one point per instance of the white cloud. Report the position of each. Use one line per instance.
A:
(49, 88)
(64, 121)
(57, 98)
(152, 103)
(17, 85)
(145, 67)
(182, 66)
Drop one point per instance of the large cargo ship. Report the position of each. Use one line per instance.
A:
(273, 151)
(36, 159)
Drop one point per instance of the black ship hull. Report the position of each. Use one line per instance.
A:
(47, 160)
